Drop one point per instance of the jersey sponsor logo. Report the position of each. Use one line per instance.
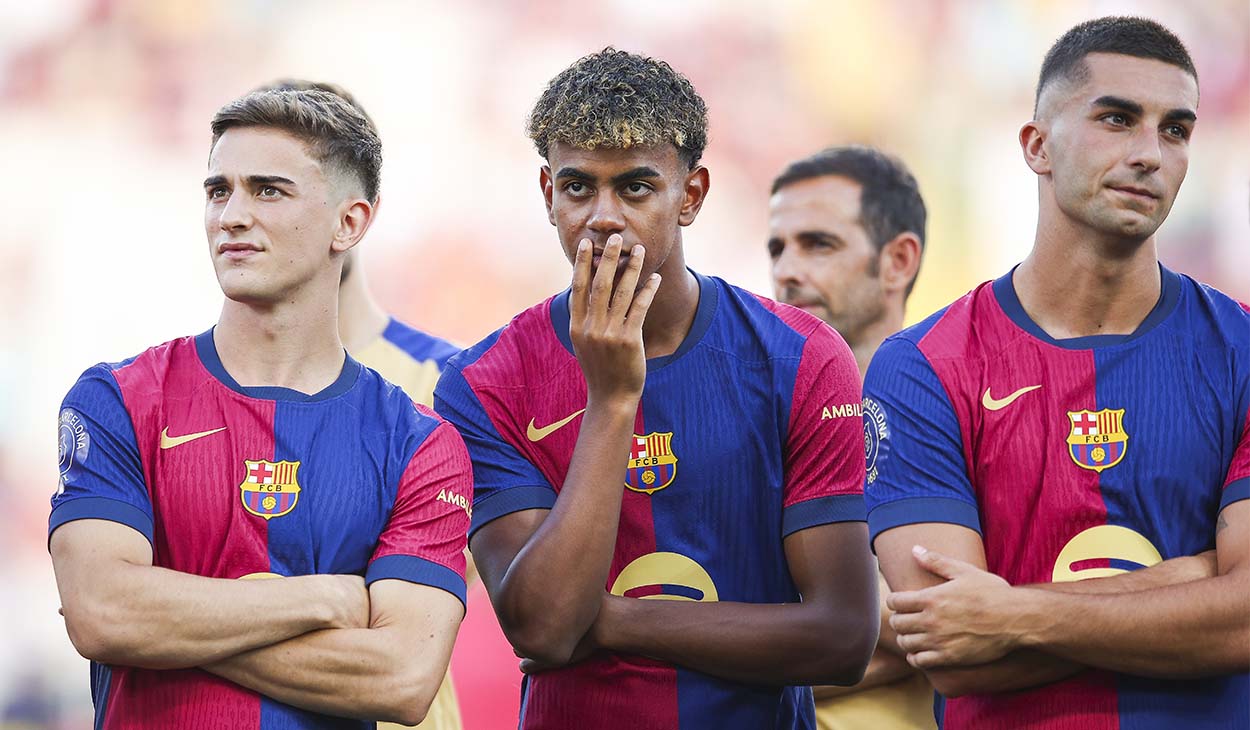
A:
(538, 434)
(652, 463)
(997, 404)
(1097, 440)
(458, 500)
(875, 434)
(73, 445)
(665, 577)
(169, 442)
(846, 410)
(1102, 551)
(270, 489)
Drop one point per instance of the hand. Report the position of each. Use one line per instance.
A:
(966, 620)
(348, 599)
(605, 320)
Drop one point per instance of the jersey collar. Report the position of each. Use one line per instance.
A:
(206, 348)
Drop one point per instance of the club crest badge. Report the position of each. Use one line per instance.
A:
(270, 489)
(652, 464)
(1097, 439)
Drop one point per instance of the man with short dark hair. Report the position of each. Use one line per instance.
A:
(846, 233)
(653, 433)
(260, 450)
(1059, 462)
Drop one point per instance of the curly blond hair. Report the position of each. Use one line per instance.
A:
(617, 99)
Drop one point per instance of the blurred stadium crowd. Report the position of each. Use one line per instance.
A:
(104, 109)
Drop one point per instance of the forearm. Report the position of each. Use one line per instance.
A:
(358, 673)
(151, 617)
(1195, 629)
(772, 644)
(550, 594)
(1021, 669)
(1169, 572)
(884, 668)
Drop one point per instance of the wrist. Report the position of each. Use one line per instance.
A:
(1033, 619)
(603, 632)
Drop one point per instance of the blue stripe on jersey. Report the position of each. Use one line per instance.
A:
(101, 508)
(416, 570)
(420, 345)
(509, 501)
(1235, 492)
(935, 509)
(206, 348)
(101, 683)
(823, 511)
(275, 715)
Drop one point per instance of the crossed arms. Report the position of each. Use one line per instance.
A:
(971, 632)
(328, 644)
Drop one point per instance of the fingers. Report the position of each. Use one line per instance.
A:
(605, 276)
(581, 281)
(907, 623)
(906, 601)
(926, 659)
(939, 564)
(642, 302)
(624, 294)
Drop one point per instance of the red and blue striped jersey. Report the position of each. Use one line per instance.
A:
(228, 481)
(748, 432)
(1073, 459)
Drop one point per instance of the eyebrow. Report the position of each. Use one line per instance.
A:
(635, 174)
(1132, 107)
(253, 180)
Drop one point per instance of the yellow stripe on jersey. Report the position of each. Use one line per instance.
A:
(416, 377)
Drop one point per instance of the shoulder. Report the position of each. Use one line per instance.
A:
(522, 353)
(1213, 315)
(779, 330)
(417, 344)
(134, 378)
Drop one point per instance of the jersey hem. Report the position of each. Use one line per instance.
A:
(413, 569)
(101, 508)
(1235, 491)
(823, 511)
(507, 501)
(918, 510)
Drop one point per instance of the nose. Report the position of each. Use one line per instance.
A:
(236, 213)
(1145, 154)
(607, 216)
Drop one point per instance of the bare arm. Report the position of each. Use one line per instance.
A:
(388, 671)
(545, 569)
(888, 664)
(826, 638)
(120, 609)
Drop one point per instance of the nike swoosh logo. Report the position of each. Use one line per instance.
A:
(997, 404)
(169, 442)
(538, 434)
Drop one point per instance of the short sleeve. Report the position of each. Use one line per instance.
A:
(824, 464)
(504, 480)
(101, 474)
(915, 460)
(1237, 483)
(424, 538)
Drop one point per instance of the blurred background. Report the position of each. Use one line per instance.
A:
(104, 111)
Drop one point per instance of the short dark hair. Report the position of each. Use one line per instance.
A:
(617, 99)
(889, 201)
(338, 134)
(293, 84)
(1122, 34)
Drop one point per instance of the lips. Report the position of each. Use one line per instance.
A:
(1136, 192)
(237, 250)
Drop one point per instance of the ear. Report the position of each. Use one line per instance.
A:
(899, 262)
(548, 185)
(355, 219)
(1033, 144)
(697, 183)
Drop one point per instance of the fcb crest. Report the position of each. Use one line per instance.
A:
(270, 489)
(652, 465)
(1097, 440)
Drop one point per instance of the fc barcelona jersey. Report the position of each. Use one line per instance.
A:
(228, 481)
(748, 432)
(1073, 459)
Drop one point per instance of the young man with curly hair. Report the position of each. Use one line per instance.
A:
(654, 433)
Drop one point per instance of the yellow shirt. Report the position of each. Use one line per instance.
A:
(413, 360)
(903, 705)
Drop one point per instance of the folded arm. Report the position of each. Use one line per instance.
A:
(389, 670)
(827, 638)
(121, 609)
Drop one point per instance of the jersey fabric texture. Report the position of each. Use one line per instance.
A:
(409, 358)
(228, 481)
(748, 432)
(413, 360)
(1073, 459)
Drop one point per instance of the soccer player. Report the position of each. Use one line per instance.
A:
(1053, 456)
(259, 449)
(846, 234)
(654, 433)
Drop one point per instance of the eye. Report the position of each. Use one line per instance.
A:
(637, 189)
(269, 191)
(775, 248)
(217, 192)
(1118, 119)
(576, 188)
(1178, 131)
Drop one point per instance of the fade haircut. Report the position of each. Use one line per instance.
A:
(338, 135)
(1125, 35)
(889, 201)
(619, 100)
(290, 84)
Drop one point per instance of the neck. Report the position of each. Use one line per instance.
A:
(672, 311)
(1078, 284)
(361, 318)
(291, 344)
(869, 339)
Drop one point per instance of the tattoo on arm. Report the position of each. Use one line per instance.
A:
(1221, 523)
